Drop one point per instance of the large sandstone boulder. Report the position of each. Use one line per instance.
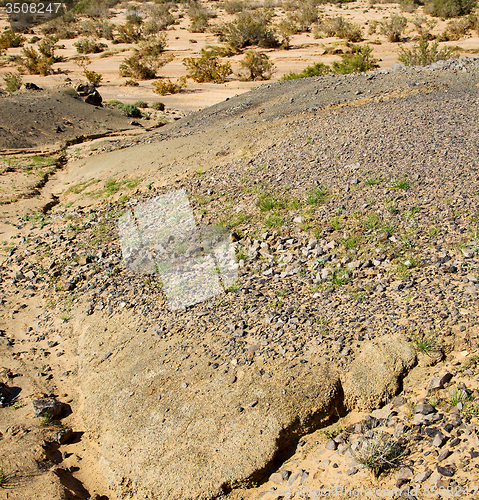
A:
(172, 425)
(375, 375)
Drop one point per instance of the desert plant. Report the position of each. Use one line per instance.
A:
(131, 83)
(36, 63)
(207, 68)
(249, 29)
(408, 6)
(158, 106)
(234, 6)
(10, 39)
(456, 396)
(152, 46)
(131, 31)
(455, 29)
(200, 17)
(141, 104)
(403, 183)
(4, 475)
(316, 195)
(394, 27)
(89, 46)
(133, 67)
(47, 47)
(318, 69)
(167, 86)
(258, 66)
(13, 81)
(268, 201)
(341, 28)
(378, 450)
(92, 76)
(450, 8)
(144, 63)
(359, 61)
(423, 343)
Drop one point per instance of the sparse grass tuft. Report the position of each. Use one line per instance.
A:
(424, 344)
(401, 184)
(379, 452)
(316, 195)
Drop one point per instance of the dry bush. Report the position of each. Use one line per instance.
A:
(341, 28)
(89, 46)
(207, 68)
(249, 29)
(10, 39)
(373, 26)
(36, 63)
(450, 8)
(167, 86)
(13, 81)
(145, 61)
(257, 65)
(408, 6)
(455, 30)
(394, 27)
(152, 46)
(234, 6)
(199, 16)
(422, 54)
(98, 28)
(159, 18)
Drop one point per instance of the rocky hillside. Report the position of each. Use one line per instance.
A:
(352, 202)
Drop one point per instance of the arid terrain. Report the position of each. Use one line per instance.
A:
(344, 358)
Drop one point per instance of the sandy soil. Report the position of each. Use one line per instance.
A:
(304, 50)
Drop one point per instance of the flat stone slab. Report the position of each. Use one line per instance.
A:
(178, 429)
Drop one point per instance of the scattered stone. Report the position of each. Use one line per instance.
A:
(47, 408)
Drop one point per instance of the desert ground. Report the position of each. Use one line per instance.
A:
(341, 360)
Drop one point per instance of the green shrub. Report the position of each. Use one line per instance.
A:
(257, 65)
(47, 47)
(306, 16)
(36, 63)
(89, 46)
(99, 28)
(133, 67)
(93, 77)
(160, 17)
(10, 39)
(129, 109)
(145, 61)
(450, 8)
(359, 61)
(455, 29)
(167, 86)
(249, 29)
(140, 104)
(158, 106)
(13, 81)
(234, 6)
(422, 54)
(200, 17)
(131, 32)
(207, 68)
(318, 69)
(341, 28)
(394, 27)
